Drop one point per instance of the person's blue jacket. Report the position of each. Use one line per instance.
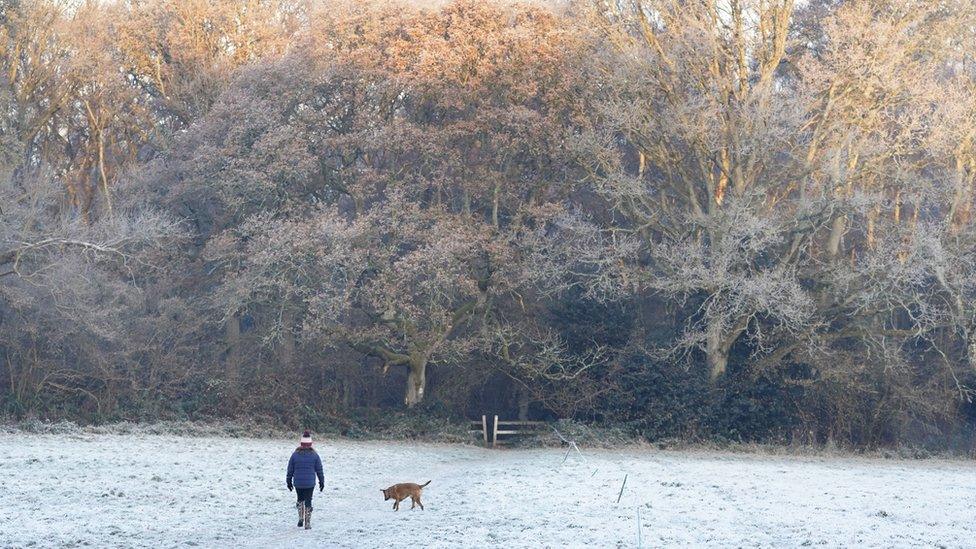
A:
(304, 465)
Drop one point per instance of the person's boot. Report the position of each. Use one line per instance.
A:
(301, 513)
(308, 517)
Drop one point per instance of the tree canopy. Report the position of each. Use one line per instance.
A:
(748, 219)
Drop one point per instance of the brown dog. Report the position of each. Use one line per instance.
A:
(400, 492)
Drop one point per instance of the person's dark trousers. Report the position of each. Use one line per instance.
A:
(305, 494)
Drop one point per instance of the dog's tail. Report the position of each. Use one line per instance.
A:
(425, 484)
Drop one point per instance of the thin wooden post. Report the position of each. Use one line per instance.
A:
(640, 535)
(622, 489)
(494, 433)
(484, 428)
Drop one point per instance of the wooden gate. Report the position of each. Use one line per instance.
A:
(490, 433)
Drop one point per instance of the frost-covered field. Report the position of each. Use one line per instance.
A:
(160, 491)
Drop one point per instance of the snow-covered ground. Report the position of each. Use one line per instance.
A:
(163, 491)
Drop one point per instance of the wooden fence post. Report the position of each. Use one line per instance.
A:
(494, 433)
(622, 489)
(484, 429)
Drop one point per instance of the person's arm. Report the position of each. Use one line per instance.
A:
(291, 471)
(319, 473)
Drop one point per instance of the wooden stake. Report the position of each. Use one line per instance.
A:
(484, 429)
(640, 540)
(622, 489)
(494, 433)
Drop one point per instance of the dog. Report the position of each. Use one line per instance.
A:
(400, 492)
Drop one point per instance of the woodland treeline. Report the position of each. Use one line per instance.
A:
(740, 219)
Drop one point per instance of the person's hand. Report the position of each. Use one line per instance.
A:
(321, 486)
(289, 486)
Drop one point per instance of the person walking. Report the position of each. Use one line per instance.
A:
(303, 467)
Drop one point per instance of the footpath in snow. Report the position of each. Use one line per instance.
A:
(164, 491)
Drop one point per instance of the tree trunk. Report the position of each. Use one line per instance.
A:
(232, 335)
(494, 205)
(872, 223)
(103, 177)
(287, 339)
(959, 206)
(718, 360)
(844, 188)
(523, 404)
(972, 348)
(717, 345)
(416, 382)
(836, 232)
